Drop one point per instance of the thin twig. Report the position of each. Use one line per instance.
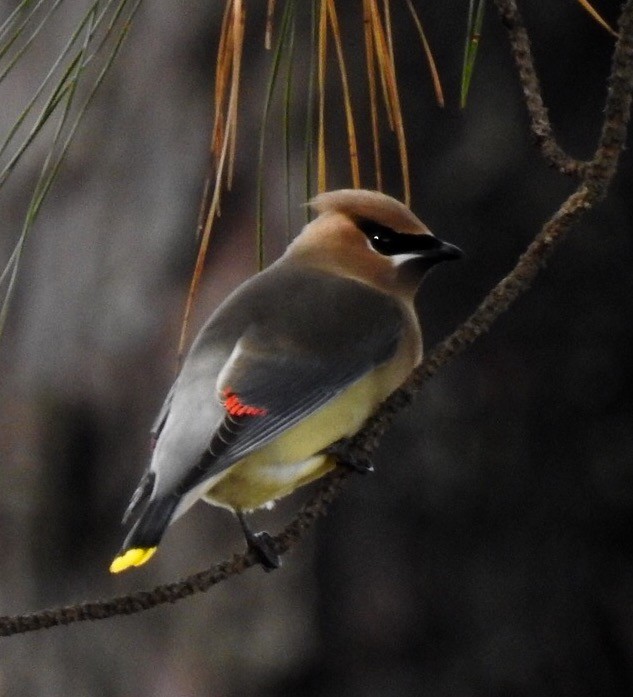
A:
(539, 120)
(596, 178)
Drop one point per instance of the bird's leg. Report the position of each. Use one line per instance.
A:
(357, 462)
(261, 543)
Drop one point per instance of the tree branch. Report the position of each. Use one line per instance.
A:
(596, 177)
(539, 120)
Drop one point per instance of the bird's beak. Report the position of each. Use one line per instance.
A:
(447, 251)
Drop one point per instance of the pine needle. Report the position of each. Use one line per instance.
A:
(309, 131)
(64, 83)
(222, 75)
(322, 39)
(13, 18)
(373, 102)
(286, 119)
(435, 76)
(386, 7)
(473, 36)
(388, 70)
(272, 82)
(238, 34)
(235, 22)
(4, 49)
(65, 93)
(374, 18)
(349, 116)
(594, 13)
(270, 11)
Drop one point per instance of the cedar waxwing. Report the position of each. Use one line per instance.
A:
(295, 359)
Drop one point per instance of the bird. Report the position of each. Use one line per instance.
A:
(294, 360)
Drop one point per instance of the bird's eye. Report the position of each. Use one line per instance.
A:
(382, 242)
(382, 238)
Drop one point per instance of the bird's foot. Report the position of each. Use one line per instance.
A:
(362, 465)
(353, 461)
(263, 545)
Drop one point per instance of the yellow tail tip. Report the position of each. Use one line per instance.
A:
(133, 557)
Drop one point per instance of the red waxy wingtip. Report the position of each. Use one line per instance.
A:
(235, 407)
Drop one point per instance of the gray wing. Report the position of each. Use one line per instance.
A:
(299, 350)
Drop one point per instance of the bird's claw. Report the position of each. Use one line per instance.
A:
(357, 463)
(263, 546)
(360, 465)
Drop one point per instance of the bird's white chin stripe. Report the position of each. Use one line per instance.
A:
(395, 259)
(399, 259)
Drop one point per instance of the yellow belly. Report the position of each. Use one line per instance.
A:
(293, 459)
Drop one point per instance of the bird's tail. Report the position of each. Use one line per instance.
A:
(143, 538)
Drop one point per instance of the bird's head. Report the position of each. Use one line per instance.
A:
(372, 237)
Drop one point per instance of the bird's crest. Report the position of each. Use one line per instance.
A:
(369, 205)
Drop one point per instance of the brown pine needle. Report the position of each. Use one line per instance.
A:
(268, 39)
(204, 205)
(435, 76)
(594, 13)
(222, 72)
(349, 116)
(236, 28)
(388, 69)
(386, 7)
(239, 20)
(373, 102)
(374, 19)
(322, 49)
(202, 251)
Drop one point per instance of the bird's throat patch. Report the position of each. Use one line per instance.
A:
(235, 407)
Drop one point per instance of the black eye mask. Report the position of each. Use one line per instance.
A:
(389, 242)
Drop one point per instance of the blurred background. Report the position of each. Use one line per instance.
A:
(491, 551)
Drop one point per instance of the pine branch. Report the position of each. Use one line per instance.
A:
(539, 120)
